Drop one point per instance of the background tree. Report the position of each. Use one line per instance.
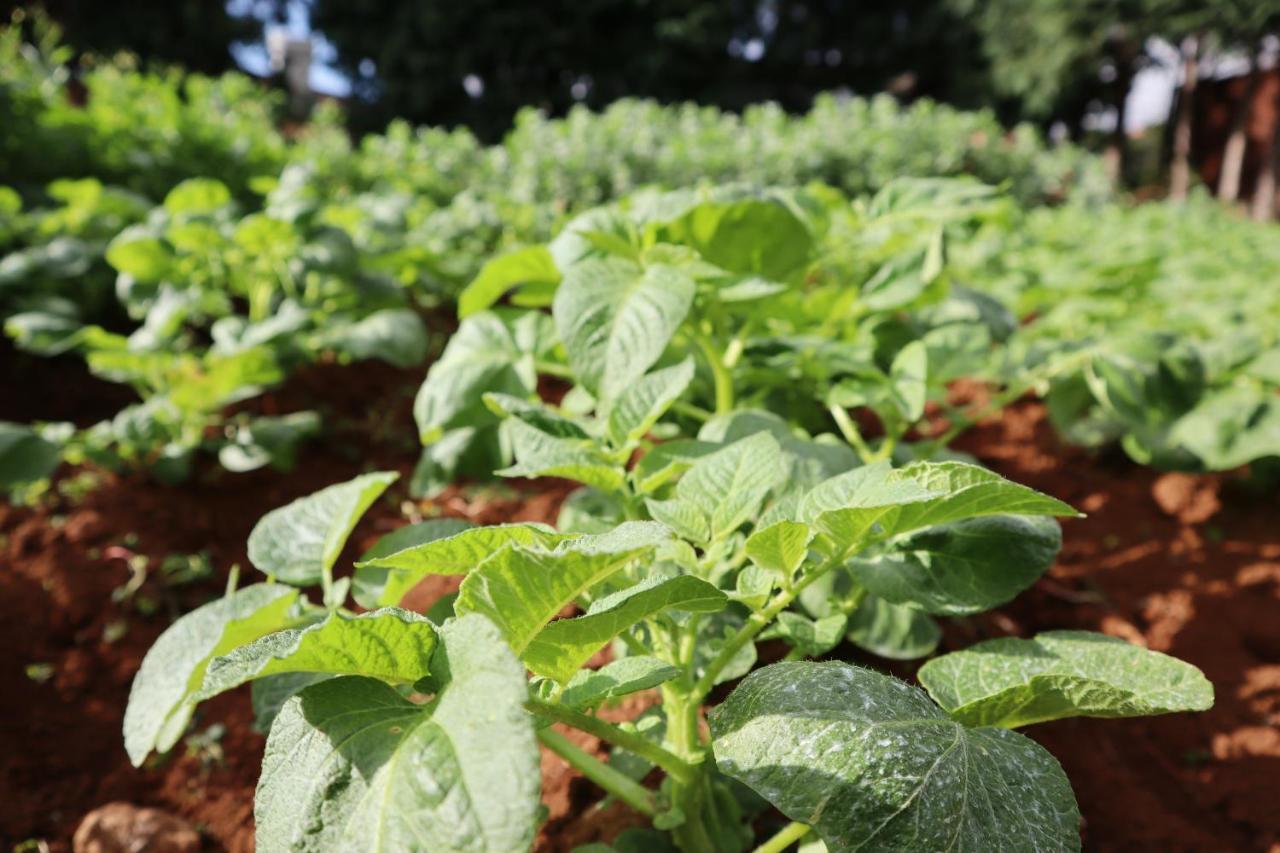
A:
(1061, 57)
(1240, 27)
(196, 34)
(477, 63)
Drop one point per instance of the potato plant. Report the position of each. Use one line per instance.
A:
(398, 731)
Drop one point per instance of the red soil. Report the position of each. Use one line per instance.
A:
(1188, 565)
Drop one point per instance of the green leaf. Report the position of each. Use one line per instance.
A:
(1013, 682)
(529, 265)
(892, 630)
(394, 335)
(591, 687)
(522, 588)
(350, 764)
(197, 195)
(729, 486)
(847, 507)
(162, 697)
(965, 567)
(616, 318)
(300, 541)
(140, 255)
(484, 355)
(270, 694)
(909, 376)
(25, 456)
(446, 547)
(969, 491)
(681, 516)
(663, 463)
(781, 547)
(392, 645)
(560, 649)
(540, 454)
(810, 637)
(870, 763)
(643, 403)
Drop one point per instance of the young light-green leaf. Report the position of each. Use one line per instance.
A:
(781, 547)
(300, 541)
(351, 764)
(617, 678)
(540, 454)
(730, 485)
(616, 318)
(522, 588)
(162, 697)
(392, 645)
(1013, 682)
(643, 403)
(965, 567)
(870, 763)
(385, 579)
(561, 648)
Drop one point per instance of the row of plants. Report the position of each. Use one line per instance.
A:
(704, 526)
(118, 250)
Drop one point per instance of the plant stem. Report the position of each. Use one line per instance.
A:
(632, 793)
(850, 432)
(688, 796)
(675, 766)
(550, 368)
(692, 411)
(785, 837)
(756, 623)
(719, 374)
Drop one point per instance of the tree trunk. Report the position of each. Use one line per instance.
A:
(1116, 155)
(1264, 193)
(1238, 141)
(1180, 167)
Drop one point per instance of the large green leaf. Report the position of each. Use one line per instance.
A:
(729, 486)
(162, 697)
(529, 265)
(300, 541)
(385, 579)
(870, 763)
(1013, 682)
(561, 648)
(522, 588)
(391, 645)
(616, 318)
(964, 567)
(643, 403)
(352, 765)
(967, 491)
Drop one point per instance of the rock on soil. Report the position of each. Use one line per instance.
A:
(125, 828)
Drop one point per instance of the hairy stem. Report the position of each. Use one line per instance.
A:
(675, 766)
(633, 794)
(785, 837)
(757, 622)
